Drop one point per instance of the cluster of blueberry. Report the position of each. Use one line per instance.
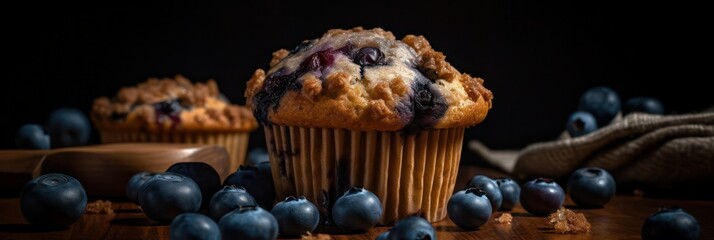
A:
(242, 206)
(241, 209)
(65, 127)
(234, 214)
(588, 187)
(598, 106)
(472, 208)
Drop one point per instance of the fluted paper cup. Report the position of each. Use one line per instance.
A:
(412, 174)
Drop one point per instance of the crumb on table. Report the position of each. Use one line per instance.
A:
(100, 207)
(504, 218)
(567, 221)
(318, 236)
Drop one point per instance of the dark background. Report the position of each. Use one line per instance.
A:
(536, 56)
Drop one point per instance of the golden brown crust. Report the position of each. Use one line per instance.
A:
(344, 95)
(201, 108)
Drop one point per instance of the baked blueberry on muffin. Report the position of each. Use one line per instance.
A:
(174, 110)
(358, 107)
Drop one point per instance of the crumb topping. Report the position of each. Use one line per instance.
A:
(311, 86)
(277, 56)
(348, 78)
(254, 85)
(338, 84)
(170, 104)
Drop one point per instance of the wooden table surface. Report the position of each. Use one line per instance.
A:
(622, 218)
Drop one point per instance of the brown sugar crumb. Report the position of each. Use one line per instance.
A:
(254, 84)
(638, 193)
(338, 83)
(378, 109)
(278, 56)
(399, 87)
(567, 221)
(318, 236)
(100, 207)
(434, 62)
(475, 89)
(311, 86)
(505, 218)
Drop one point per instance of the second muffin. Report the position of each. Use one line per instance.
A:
(175, 110)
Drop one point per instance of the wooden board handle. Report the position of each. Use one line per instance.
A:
(105, 169)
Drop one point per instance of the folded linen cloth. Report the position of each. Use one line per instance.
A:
(641, 151)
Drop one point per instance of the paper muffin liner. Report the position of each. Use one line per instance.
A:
(411, 174)
(236, 143)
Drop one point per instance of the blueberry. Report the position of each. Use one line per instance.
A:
(412, 228)
(490, 187)
(32, 136)
(68, 127)
(469, 208)
(228, 199)
(248, 223)
(203, 174)
(53, 200)
(643, 104)
(369, 56)
(169, 110)
(166, 195)
(192, 226)
(135, 183)
(541, 196)
(427, 105)
(258, 181)
(580, 123)
(602, 102)
(671, 223)
(357, 210)
(319, 60)
(591, 187)
(510, 190)
(256, 156)
(296, 216)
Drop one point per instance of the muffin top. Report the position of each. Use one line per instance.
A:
(365, 79)
(170, 104)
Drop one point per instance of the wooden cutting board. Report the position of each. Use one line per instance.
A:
(104, 169)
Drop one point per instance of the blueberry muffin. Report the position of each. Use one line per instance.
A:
(357, 107)
(174, 110)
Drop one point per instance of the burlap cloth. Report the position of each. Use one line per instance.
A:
(641, 151)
